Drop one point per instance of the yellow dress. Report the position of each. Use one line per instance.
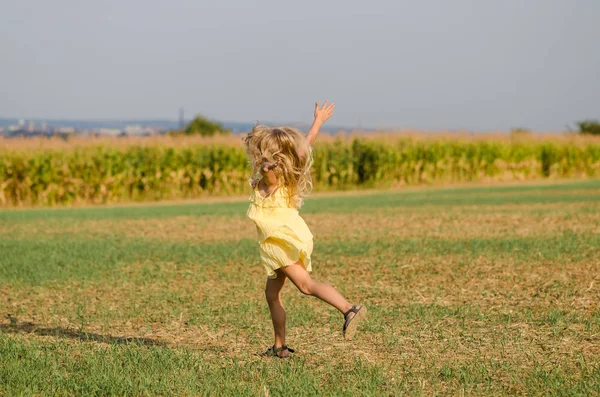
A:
(283, 236)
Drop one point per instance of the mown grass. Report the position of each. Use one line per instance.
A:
(344, 203)
(481, 291)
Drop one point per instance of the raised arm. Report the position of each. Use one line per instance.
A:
(321, 115)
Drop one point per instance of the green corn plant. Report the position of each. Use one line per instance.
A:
(100, 173)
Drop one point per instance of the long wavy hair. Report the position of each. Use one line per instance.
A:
(288, 147)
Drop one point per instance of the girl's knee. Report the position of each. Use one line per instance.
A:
(306, 287)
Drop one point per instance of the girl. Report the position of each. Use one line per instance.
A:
(281, 160)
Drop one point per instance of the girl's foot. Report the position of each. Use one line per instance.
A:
(280, 352)
(353, 317)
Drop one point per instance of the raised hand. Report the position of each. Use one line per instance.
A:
(324, 112)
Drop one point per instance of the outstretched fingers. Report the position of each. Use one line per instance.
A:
(325, 111)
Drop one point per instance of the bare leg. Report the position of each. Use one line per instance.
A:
(273, 295)
(301, 279)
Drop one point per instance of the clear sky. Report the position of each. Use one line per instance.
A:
(430, 64)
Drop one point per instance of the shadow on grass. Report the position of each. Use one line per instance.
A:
(60, 332)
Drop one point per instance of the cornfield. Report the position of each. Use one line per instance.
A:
(48, 173)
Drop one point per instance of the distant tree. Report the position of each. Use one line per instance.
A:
(589, 127)
(202, 126)
(520, 132)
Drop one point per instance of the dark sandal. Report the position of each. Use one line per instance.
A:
(273, 351)
(350, 325)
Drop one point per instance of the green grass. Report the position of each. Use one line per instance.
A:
(345, 204)
(164, 371)
(73, 258)
(479, 290)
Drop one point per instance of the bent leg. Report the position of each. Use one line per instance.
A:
(302, 280)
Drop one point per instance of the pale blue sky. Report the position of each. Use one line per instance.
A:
(431, 64)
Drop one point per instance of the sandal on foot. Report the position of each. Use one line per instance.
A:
(274, 351)
(351, 323)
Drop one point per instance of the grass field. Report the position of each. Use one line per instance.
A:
(475, 291)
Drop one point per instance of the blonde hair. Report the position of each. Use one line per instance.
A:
(288, 147)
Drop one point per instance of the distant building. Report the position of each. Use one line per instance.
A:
(108, 131)
(64, 130)
(135, 129)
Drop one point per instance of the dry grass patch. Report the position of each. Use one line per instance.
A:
(450, 223)
(440, 299)
(206, 228)
(398, 222)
